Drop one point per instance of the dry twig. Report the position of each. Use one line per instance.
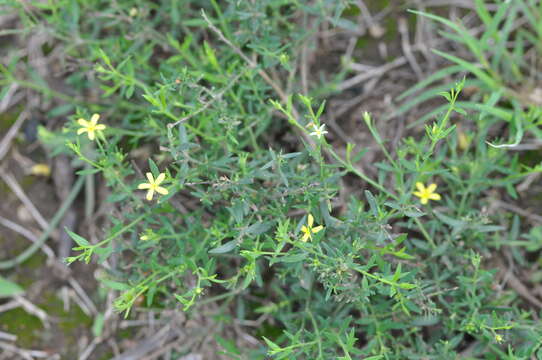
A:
(6, 141)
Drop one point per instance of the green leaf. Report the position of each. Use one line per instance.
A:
(87, 171)
(464, 35)
(81, 241)
(407, 286)
(8, 288)
(115, 285)
(229, 246)
(116, 197)
(60, 110)
(103, 252)
(289, 258)
(493, 110)
(274, 347)
(98, 325)
(228, 345)
(210, 53)
(258, 228)
(154, 168)
(428, 320)
(479, 73)
(372, 203)
(439, 75)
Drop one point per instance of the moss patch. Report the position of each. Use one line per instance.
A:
(28, 328)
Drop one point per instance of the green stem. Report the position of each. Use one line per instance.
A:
(344, 347)
(361, 175)
(425, 233)
(121, 231)
(316, 330)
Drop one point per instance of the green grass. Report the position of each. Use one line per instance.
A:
(204, 93)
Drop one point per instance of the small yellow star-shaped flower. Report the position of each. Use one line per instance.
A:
(40, 170)
(91, 126)
(153, 185)
(309, 230)
(426, 193)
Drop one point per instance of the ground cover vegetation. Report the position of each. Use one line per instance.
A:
(216, 182)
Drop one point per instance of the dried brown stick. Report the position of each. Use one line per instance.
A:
(26, 354)
(530, 215)
(7, 336)
(525, 184)
(375, 30)
(407, 49)
(45, 248)
(516, 284)
(161, 337)
(32, 309)
(12, 132)
(9, 305)
(83, 295)
(366, 75)
(522, 290)
(88, 304)
(27, 234)
(6, 101)
(19, 192)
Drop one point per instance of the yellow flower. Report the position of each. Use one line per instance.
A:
(498, 338)
(144, 237)
(426, 193)
(90, 126)
(152, 185)
(462, 141)
(40, 170)
(309, 230)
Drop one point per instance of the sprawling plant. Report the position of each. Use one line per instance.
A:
(223, 187)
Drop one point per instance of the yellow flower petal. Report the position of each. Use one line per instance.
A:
(431, 188)
(306, 237)
(144, 186)
(161, 190)
(160, 178)
(150, 194)
(91, 135)
(424, 200)
(100, 127)
(420, 187)
(318, 228)
(310, 220)
(94, 119)
(40, 170)
(434, 196)
(418, 194)
(81, 130)
(83, 122)
(150, 177)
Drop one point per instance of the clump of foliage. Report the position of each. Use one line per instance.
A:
(237, 212)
